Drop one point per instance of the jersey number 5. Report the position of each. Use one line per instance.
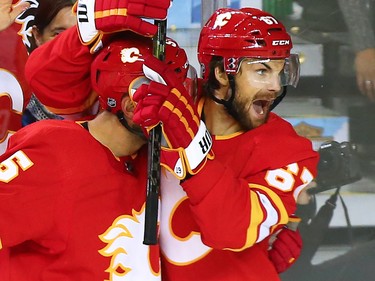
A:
(9, 168)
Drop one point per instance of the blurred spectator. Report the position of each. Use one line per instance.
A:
(331, 21)
(43, 19)
(51, 18)
(358, 17)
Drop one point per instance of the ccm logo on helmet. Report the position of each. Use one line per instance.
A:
(280, 42)
(130, 55)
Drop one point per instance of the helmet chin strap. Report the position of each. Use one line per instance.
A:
(228, 104)
(121, 118)
(279, 98)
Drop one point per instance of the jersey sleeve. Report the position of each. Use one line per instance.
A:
(237, 212)
(240, 202)
(58, 73)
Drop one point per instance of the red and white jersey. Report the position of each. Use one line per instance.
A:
(217, 226)
(70, 210)
(14, 91)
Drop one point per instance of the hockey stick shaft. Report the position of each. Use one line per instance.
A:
(154, 146)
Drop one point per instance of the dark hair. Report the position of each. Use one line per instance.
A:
(47, 11)
(212, 84)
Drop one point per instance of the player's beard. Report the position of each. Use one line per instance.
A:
(241, 112)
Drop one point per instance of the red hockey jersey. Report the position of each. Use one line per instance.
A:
(14, 91)
(217, 227)
(70, 210)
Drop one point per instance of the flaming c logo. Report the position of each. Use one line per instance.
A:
(26, 20)
(130, 55)
(130, 258)
(222, 19)
(10, 108)
(12, 96)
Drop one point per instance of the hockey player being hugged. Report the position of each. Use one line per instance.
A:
(73, 193)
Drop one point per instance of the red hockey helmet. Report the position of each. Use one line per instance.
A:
(176, 58)
(119, 64)
(244, 33)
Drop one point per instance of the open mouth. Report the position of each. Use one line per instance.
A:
(262, 106)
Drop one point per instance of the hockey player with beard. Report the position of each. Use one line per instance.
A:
(216, 224)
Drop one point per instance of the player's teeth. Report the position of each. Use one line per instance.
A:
(258, 107)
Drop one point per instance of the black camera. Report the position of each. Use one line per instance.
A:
(338, 166)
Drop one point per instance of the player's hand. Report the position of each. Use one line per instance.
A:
(365, 71)
(98, 17)
(166, 101)
(9, 12)
(285, 249)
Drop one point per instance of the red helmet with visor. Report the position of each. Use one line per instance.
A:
(245, 33)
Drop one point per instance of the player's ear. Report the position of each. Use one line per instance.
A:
(223, 80)
(221, 77)
(127, 106)
(37, 35)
